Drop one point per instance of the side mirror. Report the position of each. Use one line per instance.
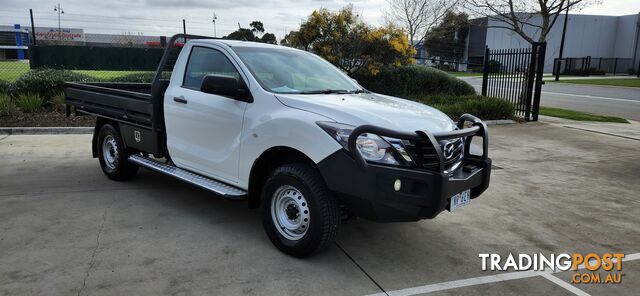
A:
(227, 86)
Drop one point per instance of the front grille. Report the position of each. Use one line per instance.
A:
(424, 154)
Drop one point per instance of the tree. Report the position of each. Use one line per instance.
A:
(447, 40)
(518, 15)
(252, 34)
(418, 16)
(242, 34)
(346, 41)
(269, 38)
(257, 27)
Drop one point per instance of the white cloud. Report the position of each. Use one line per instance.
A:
(156, 17)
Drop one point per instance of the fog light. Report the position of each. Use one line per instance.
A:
(397, 185)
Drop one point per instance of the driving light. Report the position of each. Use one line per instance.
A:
(397, 185)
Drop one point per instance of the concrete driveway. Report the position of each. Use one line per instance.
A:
(66, 229)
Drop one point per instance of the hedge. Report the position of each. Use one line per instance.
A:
(486, 108)
(427, 85)
(414, 80)
(47, 82)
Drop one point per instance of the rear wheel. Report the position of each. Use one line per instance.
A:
(113, 156)
(299, 213)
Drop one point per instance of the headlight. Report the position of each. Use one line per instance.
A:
(372, 147)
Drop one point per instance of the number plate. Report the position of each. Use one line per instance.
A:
(460, 200)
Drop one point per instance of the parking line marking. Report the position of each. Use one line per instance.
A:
(489, 279)
(564, 284)
(462, 283)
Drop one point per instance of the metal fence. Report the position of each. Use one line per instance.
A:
(96, 48)
(98, 57)
(588, 65)
(516, 76)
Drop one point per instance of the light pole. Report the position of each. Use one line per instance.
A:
(564, 32)
(58, 9)
(214, 24)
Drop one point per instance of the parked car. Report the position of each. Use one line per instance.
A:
(288, 132)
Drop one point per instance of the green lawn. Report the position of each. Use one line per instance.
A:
(465, 74)
(106, 74)
(577, 115)
(11, 70)
(628, 82)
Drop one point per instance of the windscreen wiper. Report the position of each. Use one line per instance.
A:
(333, 91)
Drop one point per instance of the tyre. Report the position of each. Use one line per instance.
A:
(299, 213)
(113, 156)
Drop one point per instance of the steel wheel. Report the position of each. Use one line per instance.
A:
(110, 152)
(290, 212)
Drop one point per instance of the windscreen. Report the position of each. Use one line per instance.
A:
(293, 71)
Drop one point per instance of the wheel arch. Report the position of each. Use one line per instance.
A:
(96, 132)
(268, 161)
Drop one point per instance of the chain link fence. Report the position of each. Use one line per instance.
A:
(97, 48)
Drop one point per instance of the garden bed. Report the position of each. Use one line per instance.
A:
(45, 119)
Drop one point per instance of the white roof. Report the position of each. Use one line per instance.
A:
(238, 43)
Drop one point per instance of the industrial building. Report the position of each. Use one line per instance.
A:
(606, 42)
(15, 40)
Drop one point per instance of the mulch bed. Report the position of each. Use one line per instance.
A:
(45, 119)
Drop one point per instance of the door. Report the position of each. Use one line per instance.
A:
(203, 130)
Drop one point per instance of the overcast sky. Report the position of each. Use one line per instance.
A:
(164, 17)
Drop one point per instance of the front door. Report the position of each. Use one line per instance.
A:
(204, 130)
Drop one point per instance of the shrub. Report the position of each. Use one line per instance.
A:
(7, 107)
(414, 81)
(584, 72)
(486, 108)
(5, 87)
(29, 102)
(493, 66)
(47, 82)
(57, 102)
(140, 77)
(135, 77)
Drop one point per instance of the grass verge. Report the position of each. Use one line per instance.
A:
(580, 116)
(628, 82)
(465, 74)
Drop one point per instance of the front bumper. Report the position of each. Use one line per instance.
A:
(369, 190)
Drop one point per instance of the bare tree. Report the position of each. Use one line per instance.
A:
(418, 16)
(517, 15)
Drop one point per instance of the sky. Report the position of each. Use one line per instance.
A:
(164, 17)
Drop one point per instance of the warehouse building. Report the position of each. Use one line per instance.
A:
(15, 40)
(609, 43)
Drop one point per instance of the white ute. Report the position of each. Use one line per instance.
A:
(290, 133)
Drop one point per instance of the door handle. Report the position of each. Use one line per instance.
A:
(180, 99)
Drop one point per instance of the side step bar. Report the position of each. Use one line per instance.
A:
(212, 185)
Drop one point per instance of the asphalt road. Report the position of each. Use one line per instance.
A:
(606, 100)
(65, 229)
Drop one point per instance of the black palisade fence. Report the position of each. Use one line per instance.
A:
(515, 74)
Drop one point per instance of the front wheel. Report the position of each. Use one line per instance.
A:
(113, 156)
(299, 213)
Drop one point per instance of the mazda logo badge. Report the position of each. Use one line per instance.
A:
(447, 150)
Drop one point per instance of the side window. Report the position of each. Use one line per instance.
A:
(205, 61)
